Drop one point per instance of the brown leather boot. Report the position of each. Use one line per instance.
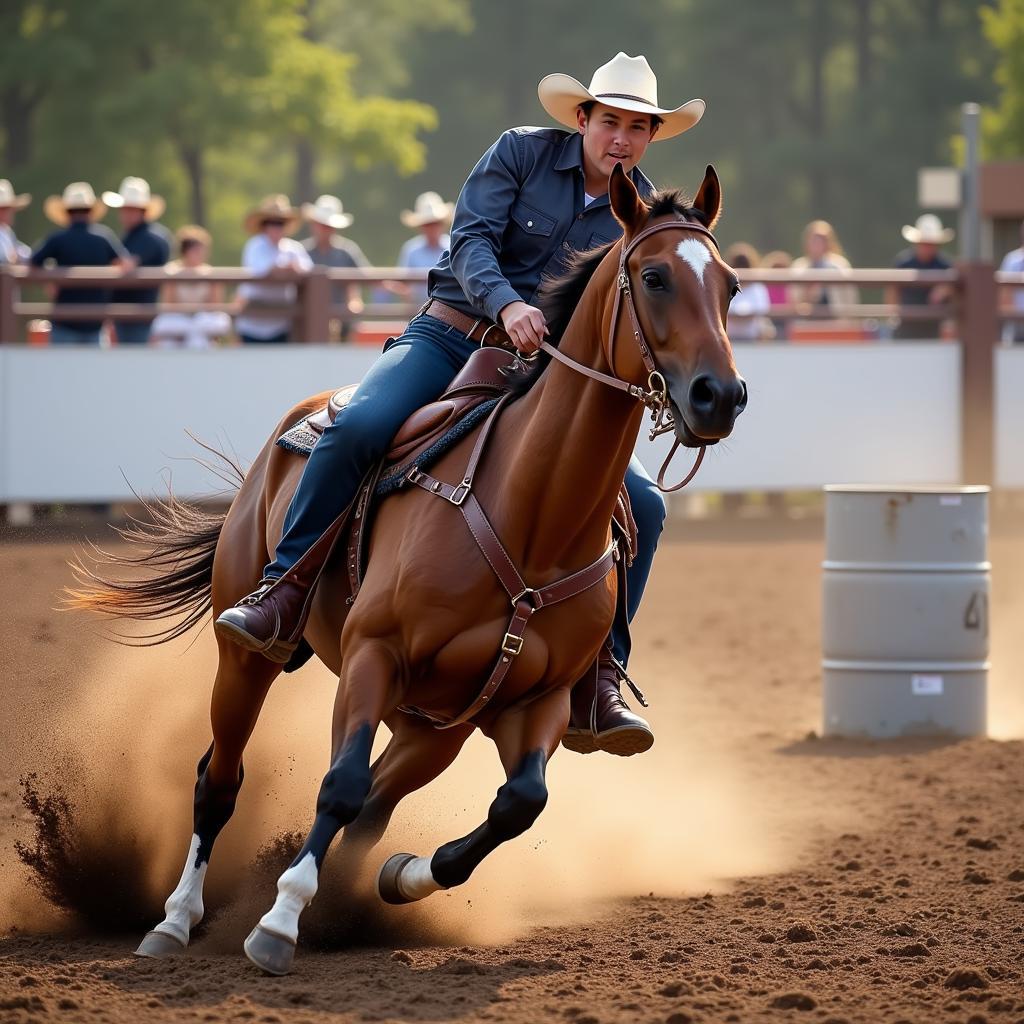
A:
(600, 718)
(271, 620)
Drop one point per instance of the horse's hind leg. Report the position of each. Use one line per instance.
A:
(526, 738)
(243, 680)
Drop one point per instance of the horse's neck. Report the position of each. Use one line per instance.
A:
(568, 444)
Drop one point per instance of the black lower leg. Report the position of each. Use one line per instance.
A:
(342, 794)
(212, 806)
(513, 811)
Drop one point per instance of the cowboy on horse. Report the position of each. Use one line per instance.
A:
(535, 198)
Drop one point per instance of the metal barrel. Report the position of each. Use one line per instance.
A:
(905, 597)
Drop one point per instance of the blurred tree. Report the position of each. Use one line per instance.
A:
(1003, 127)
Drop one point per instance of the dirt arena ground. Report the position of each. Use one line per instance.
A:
(745, 870)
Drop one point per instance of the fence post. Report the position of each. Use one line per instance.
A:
(8, 294)
(315, 296)
(978, 328)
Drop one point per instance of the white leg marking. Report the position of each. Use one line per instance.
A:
(695, 254)
(416, 881)
(184, 907)
(295, 888)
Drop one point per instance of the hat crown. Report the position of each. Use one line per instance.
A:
(929, 224)
(6, 190)
(430, 203)
(135, 191)
(625, 76)
(79, 195)
(328, 205)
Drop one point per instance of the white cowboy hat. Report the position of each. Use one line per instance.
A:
(928, 229)
(134, 193)
(626, 83)
(429, 208)
(275, 207)
(327, 210)
(77, 196)
(8, 199)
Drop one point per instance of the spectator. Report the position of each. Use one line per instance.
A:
(430, 215)
(822, 251)
(191, 330)
(271, 254)
(925, 238)
(11, 250)
(80, 243)
(147, 242)
(778, 294)
(327, 248)
(1013, 298)
(747, 320)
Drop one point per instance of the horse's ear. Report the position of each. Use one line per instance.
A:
(628, 207)
(709, 197)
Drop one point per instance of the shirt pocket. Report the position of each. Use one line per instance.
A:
(598, 240)
(531, 220)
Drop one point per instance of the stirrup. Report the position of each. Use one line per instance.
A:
(261, 591)
(624, 676)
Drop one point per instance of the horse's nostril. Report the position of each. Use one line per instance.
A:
(703, 394)
(741, 402)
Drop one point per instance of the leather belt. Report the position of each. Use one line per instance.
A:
(477, 329)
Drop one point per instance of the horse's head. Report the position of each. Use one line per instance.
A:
(680, 288)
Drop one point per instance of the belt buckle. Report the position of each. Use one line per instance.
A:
(512, 644)
(414, 475)
(459, 495)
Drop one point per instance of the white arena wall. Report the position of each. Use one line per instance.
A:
(81, 425)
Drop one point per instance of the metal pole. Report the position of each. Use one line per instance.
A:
(970, 210)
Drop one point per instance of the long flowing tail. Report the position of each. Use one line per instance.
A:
(171, 577)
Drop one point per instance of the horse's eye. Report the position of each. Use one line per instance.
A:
(652, 280)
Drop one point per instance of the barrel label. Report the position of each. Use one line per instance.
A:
(926, 686)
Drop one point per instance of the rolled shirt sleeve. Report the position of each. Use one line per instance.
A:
(481, 217)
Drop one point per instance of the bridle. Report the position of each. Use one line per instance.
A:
(655, 396)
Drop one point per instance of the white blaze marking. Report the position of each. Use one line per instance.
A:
(695, 254)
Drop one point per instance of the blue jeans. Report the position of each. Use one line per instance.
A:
(62, 335)
(414, 370)
(132, 332)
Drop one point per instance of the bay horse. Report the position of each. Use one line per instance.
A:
(427, 625)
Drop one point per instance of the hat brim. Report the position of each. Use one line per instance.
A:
(17, 203)
(913, 235)
(336, 220)
(55, 210)
(153, 210)
(560, 95)
(411, 219)
(254, 221)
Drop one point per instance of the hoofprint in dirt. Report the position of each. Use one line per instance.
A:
(895, 889)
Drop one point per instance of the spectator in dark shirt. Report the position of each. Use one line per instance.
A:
(149, 245)
(925, 238)
(80, 243)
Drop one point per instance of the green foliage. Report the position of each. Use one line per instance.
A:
(1003, 127)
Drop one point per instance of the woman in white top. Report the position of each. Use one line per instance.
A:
(822, 251)
(748, 311)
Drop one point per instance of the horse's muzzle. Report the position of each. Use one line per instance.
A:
(710, 409)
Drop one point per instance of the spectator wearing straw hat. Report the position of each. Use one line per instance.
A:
(270, 253)
(11, 250)
(326, 248)
(81, 242)
(147, 242)
(430, 215)
(925, 237)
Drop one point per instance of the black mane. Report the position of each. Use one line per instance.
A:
(558, 297)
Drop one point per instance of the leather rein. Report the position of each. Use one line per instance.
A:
(655, 396)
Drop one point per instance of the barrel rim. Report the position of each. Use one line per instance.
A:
(908, 667)
(891, 489)
(958, 568)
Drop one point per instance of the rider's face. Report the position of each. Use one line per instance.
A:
(612, 136)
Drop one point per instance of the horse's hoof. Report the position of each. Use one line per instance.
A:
(159, 944)
(387, 879)
(269, 952)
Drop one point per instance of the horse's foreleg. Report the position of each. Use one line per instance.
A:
(416, 755)
(526, 738)
(242, 683)
(368, 691)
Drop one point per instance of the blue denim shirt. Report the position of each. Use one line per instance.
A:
(520, 214)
